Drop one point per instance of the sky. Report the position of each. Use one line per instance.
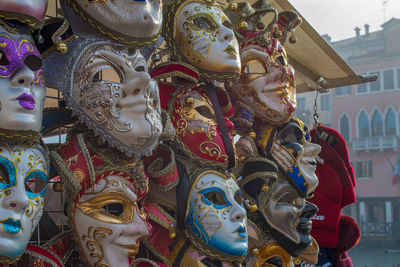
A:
(338, 18)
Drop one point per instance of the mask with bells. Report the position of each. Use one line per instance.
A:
(123, 108)
(133, 22)
(103, 209)
(23, 183)
(22, 90)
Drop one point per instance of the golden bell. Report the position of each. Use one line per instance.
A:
(255, 251)
(293, 39)
(233, 132)
(253, 208)
(172, 235)
(242, 158)
(62, 48)
(264, 188)
(252, 135)
(233, 6)
(244, 25)
(190, 101)
(277, 33)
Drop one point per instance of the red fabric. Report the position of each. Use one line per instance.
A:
(165, 94)
(174, 68)
(349, 236)
(50, 258)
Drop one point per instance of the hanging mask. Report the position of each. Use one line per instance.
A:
(23, 182)
(133, 22)
(109, 89)
(267, 82)
(104, 189)
(197, 131)
(215, 217)
(200, 33)
(22, 90)
(294, 151)
(30, 12)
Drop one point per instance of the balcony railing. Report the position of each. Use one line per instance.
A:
(380, 229)
(375, 143)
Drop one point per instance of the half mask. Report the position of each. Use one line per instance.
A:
(103, 209)
(123, 108)
(23, 183)
(22, 89)
(133, 22)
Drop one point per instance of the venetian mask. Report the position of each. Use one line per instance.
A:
(267, 82)
(288, 217)
(30, 12)
(215, 216)
(108, 222)
(22, 90)
(23, 182)
(204, 36)
(134, 22)
(198, 133)
(295, 154)
(112, 93)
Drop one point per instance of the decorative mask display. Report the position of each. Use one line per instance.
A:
(124, 110)
(295, 154)
(200, 33)
(133, 22)
(22, 90)
(23, 183)
(215, 215)
(30, 12)
(103, 210)
(270, 90)
(198, 133)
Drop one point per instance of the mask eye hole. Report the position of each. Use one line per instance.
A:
(255, 67)
(35, 183)
(239, 197)
(115, 209)
(140, 69)
(4, 176)
(286, 199)
(33, 62)
(3, 58)
(205, 112)
(204, 24)
(107, 74)
(281, 60)
(216, 198)
(227, 24)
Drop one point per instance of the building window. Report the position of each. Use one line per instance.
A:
(375, 86)
(363, 125)
(362, 88)
(390, 123)
(377, 124)
(398, 78)
(301, 103)
(325, 102)
(388, 79)
(345, 90)
(373, 213)
(345, 127)
(364, 169)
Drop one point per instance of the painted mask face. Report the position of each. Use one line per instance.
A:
(29, 11)
(123, 108)
(296, 142)
(267, 82)
(108, 223)
(288, 217)
(197, 130)
(215, 214)
(23, 183)
(204, 36)
(129, 21)
(22, 91)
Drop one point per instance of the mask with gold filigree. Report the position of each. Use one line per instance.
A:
(199, 32)
(267, 81)
(104, 187)
(24, 177)
(197, 132)
(132, 22)
(22, 90)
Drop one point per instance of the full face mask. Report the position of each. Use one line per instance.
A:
(22, 90)
(133, 22)
(200, 33)
(197, 131)
(215, 218)
(30, 12)
(23, 183)
(124, 108)
(103, 209)
(267, 82)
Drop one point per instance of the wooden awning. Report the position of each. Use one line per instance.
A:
(317, 65)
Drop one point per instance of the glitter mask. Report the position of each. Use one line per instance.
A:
(125, 110)
(23, 184)
(215, 215)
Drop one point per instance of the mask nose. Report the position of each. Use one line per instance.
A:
(16, 200)
(238, 213)
(309, 210)
(24, 77)
(226, 34)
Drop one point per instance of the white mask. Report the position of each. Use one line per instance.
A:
(23, 183)
(108, 223)
(130, 21)
(215, 214)
(204, 36)
(125, 113)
